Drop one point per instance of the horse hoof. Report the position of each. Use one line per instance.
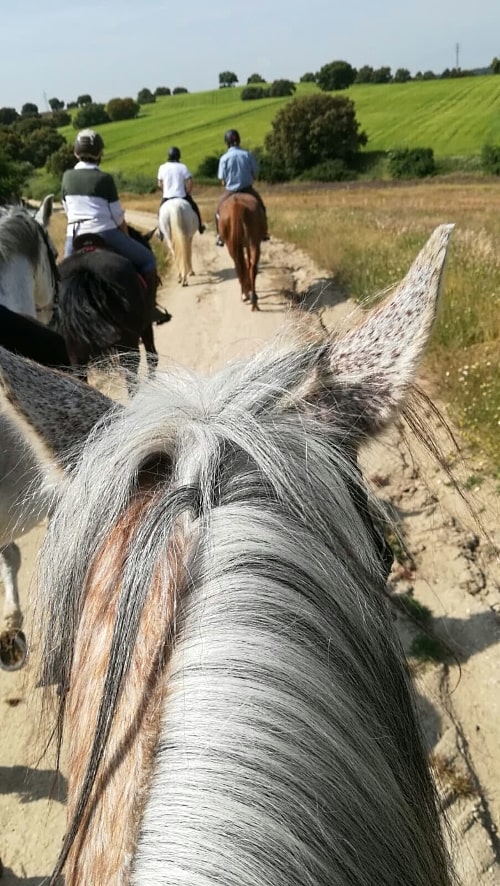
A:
(245, 299)
(13, 650)
(255, 306)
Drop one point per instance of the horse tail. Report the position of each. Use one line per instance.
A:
(181, 238)
(237, 243)
(94, 312)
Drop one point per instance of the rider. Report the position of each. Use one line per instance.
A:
(175, 180)
(92, 206)
(237, 170)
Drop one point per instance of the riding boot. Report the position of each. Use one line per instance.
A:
(160, 315)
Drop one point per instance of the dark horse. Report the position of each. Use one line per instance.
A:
(105, 307)
(242, 227)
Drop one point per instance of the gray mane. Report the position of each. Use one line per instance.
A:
(20, 234)
(290, 751)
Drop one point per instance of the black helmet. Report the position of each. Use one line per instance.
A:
(174, 155)
(232, 137)
(88, 145)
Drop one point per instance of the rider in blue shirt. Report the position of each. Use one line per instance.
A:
(237, 171)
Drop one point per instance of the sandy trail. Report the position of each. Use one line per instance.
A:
(452, 574)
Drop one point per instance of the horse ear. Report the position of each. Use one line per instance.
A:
(368, 373)
(149, 235)
(44, 213)
(53, 412)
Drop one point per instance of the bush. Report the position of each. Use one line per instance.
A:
(308, 77)
(13, 177)
(146, 97)
(60, 161)
(8, 115)
(330, 171)
(208, 167)
(90, 115)
(270, 169)
(490, 159)
(311, 130)
(336, 75)
(179, 89)
(250, 93)
(11, 144)
(122, 108)
(411, 162)
(280, 88)
(59, 118)
(40, 144)
(255, 78)
(162, 90)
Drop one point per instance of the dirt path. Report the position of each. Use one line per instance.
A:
(454, 575)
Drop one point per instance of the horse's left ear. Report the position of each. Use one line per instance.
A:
(53, 412)
(368, 373)
(44, 213)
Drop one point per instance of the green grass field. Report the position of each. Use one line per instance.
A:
(454, 117)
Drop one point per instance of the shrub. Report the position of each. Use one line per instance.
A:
(11, 144)
(255, 78)
(411, 162)
(90, 115)
(208, 167)
(490, 159)
(61, 160)
(29, 110)
(270, 168)
(162, 90)
(335, 75)
(250, 93)
(329, 171)
(13, 177)
(60, 118)
(179, 89)
(40, 144)
(122, 108)
(281, 88)
(8, 115)
(310, 130)
(308, 77)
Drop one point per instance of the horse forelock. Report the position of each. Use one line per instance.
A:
(282, 688)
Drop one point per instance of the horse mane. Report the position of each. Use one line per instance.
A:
(290, 749)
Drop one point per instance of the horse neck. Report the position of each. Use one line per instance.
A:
(17, 291)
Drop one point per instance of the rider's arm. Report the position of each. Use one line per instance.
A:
(188, 183)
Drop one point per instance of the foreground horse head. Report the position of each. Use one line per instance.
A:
(242, 226)
(28, 270)
(237, 704)
(178, 224)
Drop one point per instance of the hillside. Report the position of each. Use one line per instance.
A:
(454, 117)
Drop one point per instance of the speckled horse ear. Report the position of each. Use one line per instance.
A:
(366, 375)
(53, 412)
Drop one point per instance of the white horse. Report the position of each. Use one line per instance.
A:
(178, 223)
(237, 704)
(28, 283)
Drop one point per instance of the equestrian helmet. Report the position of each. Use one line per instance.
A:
(232, 137)
(174, 155)
(88, 145)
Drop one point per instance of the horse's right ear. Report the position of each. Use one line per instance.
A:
(53, 412)
(44, 213)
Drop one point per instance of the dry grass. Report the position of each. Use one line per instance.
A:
(366, 237)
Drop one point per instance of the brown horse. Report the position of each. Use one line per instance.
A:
(242, 226)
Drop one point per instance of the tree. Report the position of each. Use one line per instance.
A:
(428, 75)
(179, 89)
(8, 116)
(60, 118)
(382, 75)
(335, 75)
(311, 130)
(40, 144)
(122, 108)
(11, 144)
(208, 167)
(83, 100)
(145, 97)
(495, 66)
(13, 177)
(227, 79)
(281, 88)
(61, 160)
(365, 74)
(162, 90)
(29, 110)
(56, 104)
(402, 75)
(255, 78)
(90, 115)
(71, 106)
(308, 77)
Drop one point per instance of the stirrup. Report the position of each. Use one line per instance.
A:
(219, 241)
(202, 228)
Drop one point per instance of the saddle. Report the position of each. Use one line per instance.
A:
(92, 242)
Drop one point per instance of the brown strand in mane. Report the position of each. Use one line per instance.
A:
(104, 844)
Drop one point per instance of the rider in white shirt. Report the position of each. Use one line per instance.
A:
(175, 180)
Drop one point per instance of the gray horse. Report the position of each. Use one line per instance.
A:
(28, 279)
(236, 703)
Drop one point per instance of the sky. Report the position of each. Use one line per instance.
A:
(114, 48)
